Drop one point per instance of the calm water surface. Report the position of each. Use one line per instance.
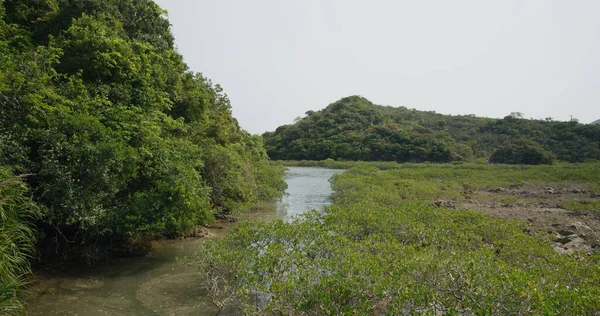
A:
(156, 284)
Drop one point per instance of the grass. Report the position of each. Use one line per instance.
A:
(385, 248)
(17, 239)
(593, 206)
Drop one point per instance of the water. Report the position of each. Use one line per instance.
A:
(156, 284)
(308, 188)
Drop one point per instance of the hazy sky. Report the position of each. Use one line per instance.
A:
(278, 59)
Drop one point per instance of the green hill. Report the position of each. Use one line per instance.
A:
(353, 128)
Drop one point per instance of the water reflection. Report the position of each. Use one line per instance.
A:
(308, 188)
(156, 284)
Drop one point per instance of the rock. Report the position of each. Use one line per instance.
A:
(574, 190)
(444, 203)
(580, 227)
(578, 244)
(497, 190)
(566, 244)
(575, 242)
(565, 239)
(201, 232)
(550, 190)
(565, 233)
(549, 205)
(560, 250)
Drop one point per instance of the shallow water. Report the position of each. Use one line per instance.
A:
(156, 284)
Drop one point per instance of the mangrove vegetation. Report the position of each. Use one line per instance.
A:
(412, 239)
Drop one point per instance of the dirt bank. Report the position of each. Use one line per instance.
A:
(543, 209)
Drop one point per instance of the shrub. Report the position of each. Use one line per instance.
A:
(522, 152)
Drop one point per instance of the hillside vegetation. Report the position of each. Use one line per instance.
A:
(353, 128)
(120, 141)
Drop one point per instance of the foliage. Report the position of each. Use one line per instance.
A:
(521, 152)
(17, 238)
(583, 206)
(353, 128)
(385, 248)
(122, 141)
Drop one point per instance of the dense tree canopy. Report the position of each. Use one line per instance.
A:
(120, 139)
(353, 128)
(521, 152)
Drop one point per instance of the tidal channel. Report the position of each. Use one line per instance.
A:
(157, 284)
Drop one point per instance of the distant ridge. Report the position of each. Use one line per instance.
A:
(353, 128)
(596, 122)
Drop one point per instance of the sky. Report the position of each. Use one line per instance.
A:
(278, 59)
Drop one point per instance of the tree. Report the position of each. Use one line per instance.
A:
(517, 115)
(123, 143)
(354, 128)
(521, 152)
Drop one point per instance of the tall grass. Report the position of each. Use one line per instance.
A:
(17, 238)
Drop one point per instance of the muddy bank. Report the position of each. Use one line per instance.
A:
(542, 207)
(156, 283)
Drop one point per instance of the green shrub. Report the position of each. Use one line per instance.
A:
(583, 206)
(522, 152)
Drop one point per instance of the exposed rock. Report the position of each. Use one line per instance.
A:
(560, 250)
(574, 190)
(548, 205)
(565, 239)
(563, 232)
(445, 203)
(566, 244)
(201, 232)
(580, 227)
(542, 208)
